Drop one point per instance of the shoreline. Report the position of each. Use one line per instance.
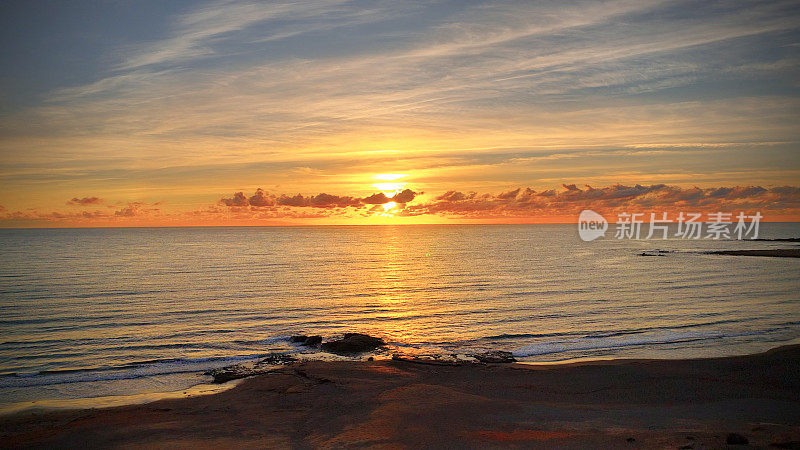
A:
(402, 403)
(208, 385)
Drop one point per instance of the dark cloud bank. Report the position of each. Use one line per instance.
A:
(262, 199)
(572, 199)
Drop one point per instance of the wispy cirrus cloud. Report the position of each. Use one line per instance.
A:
(197, 34)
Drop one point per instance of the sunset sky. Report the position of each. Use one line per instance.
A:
(128, 113)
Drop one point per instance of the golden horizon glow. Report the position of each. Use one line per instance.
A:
(389, 176)
(389, 188)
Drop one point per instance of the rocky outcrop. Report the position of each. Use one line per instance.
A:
(736, 439)
(237, 371)
(496, 356)
(353, 343)
(308, 341)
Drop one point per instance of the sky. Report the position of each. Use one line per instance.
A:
(139, 113)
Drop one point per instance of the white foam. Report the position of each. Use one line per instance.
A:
(588, 343)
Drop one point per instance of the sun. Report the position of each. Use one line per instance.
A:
(389, 182)
(390, 185)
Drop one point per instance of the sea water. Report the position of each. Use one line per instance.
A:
(138, 312)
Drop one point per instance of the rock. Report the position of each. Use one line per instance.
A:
(787, 444)
(228, 373)
(496, 356)
(310, 341)
(276, 358)
(313, 341)
(237, 371)
(353, 343)
(736, 439)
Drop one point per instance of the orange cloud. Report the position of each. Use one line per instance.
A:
(85, 201)
(263, 199)
(526, 202)
(517, 205)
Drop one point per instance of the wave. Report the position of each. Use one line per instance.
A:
(599, 343)
(140, 369)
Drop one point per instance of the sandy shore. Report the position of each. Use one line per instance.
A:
(401, 404)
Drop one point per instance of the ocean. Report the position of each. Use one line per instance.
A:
(115, 315)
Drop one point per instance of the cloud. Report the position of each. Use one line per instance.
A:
(377, 199)
(404, 196)
(134, 209)
(537, 74)
(238, 199)
(522, 203)
(85, 201)
(52, 216)
(203, 32)
(526, 202)
(320, 201)
(262, 199)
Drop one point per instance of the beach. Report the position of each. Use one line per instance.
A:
(691, 403)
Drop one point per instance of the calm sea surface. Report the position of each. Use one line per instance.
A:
(97, 313)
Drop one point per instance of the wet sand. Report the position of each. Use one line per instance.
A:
(405, 404)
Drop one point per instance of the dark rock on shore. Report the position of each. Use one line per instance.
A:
(313, 341)
(237, 371)
(310, 341)
(353, 343)
(496, 356)
(276, 358)
(229, 373)
(736, 439)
